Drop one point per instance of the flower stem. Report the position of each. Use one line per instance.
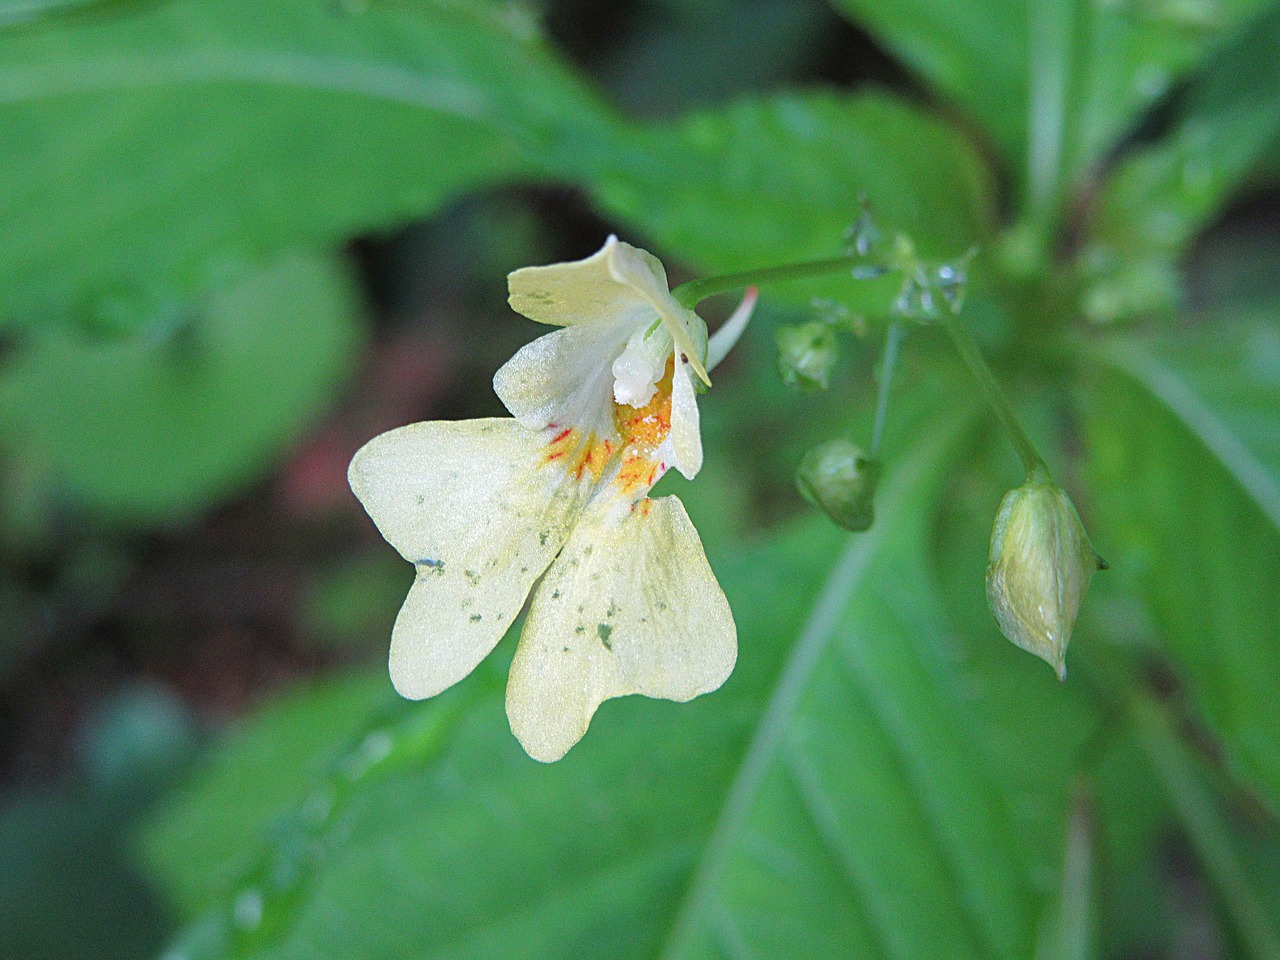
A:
(893, 340)
(973, 359)
(690, 294)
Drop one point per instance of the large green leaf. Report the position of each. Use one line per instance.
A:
(497, 855)
(1160, 197)
(1222, 381)
(778, 180)
(836, 785)
(1186, 471)
(154, 139)
(906, 790)
(279, 756)
(149, 428)
(1054, 84)
(1237, 853)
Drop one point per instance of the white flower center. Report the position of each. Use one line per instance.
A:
(640, 366)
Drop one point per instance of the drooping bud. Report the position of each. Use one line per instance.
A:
(1041, 564)
(839, 479)
(806, 355)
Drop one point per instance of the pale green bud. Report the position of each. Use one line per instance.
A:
(839, 479)
(806, 355)
(1041, 563)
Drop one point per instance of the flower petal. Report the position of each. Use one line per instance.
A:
(630, 606)
(724, 339)
(683, 447)
(565, 378)
(479, 511)
(580, 291)
(643, 272)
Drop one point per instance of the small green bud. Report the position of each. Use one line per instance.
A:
(1041, 564)
(839, 479)
(806, 355)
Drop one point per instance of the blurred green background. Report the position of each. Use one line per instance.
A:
(242, 239)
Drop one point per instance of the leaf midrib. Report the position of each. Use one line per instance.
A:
(1181, 399)
(329, 74)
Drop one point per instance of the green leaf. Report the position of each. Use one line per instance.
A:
(1068, 930)
(773, 181)
(1160, 197)
(1244, 890)
(1054, 84)
(506, 856)
(885, 772)
(1222, 381)
(683, 53)
(164, 138)
(206, 833)
(153, 428)
(1186, 475)
(810, 808)
(1138, 913)
(67, 889)
(15, 12)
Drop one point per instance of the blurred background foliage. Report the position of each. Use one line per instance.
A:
(241, 239)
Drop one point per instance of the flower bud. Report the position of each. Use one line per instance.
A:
(806, 355)
(1041, 563)
(839, 479)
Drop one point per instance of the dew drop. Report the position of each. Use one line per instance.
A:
(1151, 81)
(864, 236)
(247, 911)
(317, 808)
(373, 749)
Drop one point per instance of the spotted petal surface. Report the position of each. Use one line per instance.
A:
(587, 291)
(630, 606)
(480, 512)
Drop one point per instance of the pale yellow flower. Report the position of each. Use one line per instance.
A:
(602, 408)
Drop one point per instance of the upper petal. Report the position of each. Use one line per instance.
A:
(617, 282)
(644, 273)
(479, 510)
(630, 606)
(581, 291)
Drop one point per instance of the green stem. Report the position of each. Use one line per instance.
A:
(973, 359)
(1068, 932)
(690, 294)
(892, 341)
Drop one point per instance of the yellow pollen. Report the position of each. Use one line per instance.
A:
(642, 430)
(649, 425)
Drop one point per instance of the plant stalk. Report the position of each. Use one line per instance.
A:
(690, 294)
(977, 364)
(893, 339)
